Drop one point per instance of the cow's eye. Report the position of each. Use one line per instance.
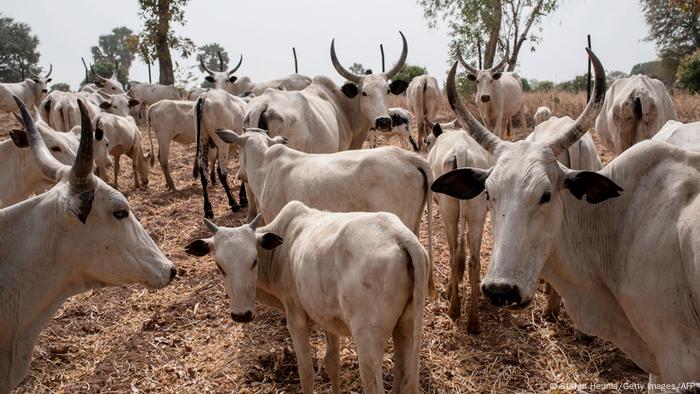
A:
(255, 263)
(220, 269)
(364, 94)
(545, 198)
(55, 149)
(121, 214)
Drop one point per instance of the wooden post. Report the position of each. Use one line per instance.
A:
(588, 87)
(296, 65)
(87, 76)
(381, 49)
(149, 72)
(478, 48)
(221, 61)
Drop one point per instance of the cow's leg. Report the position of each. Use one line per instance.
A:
(243, 196)
(203, 167)
(332, 361)
(449, 212)
(115, 160)
(137, 179)
(406, 337)
(370, 352)
(221, 169)
(523, 123)
(498, 129)
(475, 216)
(212, 159)
(653, 381)
(252, 209)
(298, 327)
(551, 311)
(163, 154)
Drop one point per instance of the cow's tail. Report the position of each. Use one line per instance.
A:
(420, 110)
(424, 168)
(199, 107)
(151, 154)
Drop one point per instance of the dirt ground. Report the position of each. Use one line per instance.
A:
(180, 339)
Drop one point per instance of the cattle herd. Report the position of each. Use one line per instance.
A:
(332, 238)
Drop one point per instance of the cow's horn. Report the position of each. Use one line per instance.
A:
(98, 76)
(204, 66)
(81, 173)
(464, 62)
(481, 134)
(48, 164)
(50, 71)
(233, 70)
(211, 226)
(402, 59)
(352, 77)
(587, 117)
(254, 224)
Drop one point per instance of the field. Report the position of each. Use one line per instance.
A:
(181, 339)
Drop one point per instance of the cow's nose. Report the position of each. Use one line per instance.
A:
(382, 123)
(502, 294)
(485, 98)
(173, 273)
(44, 91)
(242, 318)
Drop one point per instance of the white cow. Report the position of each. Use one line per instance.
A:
(635, 108)
(323, 118)
(627, 266)
(499, 97)
(80, 235)
(400, 127)
(357, 274)
(125, 139)
(31, 91)
(543, 113)
(686, 136)
(173, 120)
(108, 85)
(450, 147)
(290, 82)
(148, 94)
(423, 98)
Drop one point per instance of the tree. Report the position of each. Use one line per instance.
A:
(105, 68)
(409, 71)
(357, 68)
(576, 85)
(157, 37)
(18, 52)
(63, 87)
(674, 25)
(119, 45)
(209, 53)
(611, 76)
(486, 24)
(689, 72)
(659, 69)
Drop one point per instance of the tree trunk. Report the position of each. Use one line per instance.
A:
(494, 34)
(165, 62)
(520, 39)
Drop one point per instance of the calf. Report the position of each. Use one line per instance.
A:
(31, 91)
(80, 235)
(357, 274)
(423, 97)
(400, 127)
(125, 139)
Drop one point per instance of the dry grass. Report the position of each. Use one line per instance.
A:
(181, 340)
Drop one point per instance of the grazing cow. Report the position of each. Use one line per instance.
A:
(31, 91)
(147, 94)
(686, 136)
(125, 139)
(108, 85)
(400, 127)
(451, 147)
(499, 97)
(543, 113)
(423, 98)
(627, 267)
(635, 108)
(358, 274)
(173, 120)
(80, 235)
(217, 109)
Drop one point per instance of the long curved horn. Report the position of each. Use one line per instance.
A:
(48, 164)
(402, 59)
(204, 66)
(50, 71)
(500, 64)
(587, 117)
(481, 134)
(340, 69)
(211, 226)
(81, 178)
(115, 74)
(254, 224)
(464, 62)
(233, 70)
(98, 76)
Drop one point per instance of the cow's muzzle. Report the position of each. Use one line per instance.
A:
(504, 295)
(44, 91)
(242, 318)
(382, 123)
(485, 98)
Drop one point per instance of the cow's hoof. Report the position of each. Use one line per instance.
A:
(454, 311)
(550, 316)
(235, 208)
(473, 327)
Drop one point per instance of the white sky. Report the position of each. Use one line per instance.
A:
(265, 31)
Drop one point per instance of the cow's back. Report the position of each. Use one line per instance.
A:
(581, 155)
(511, 93)
(686, 136)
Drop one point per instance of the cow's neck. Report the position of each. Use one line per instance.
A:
(32, 284)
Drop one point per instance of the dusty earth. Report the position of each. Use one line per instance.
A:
(181, 340)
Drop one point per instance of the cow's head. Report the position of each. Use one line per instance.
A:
(485, 79)
(117, 104)
(236, 253)
(108, 85)
(373, 89)
(41, 84)
(523, 190)
(221, 79)
(102, 243)
(254, 143)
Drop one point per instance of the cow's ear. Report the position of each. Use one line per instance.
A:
(462, 183)
(81, 204)
(596, 187)
(133, 103)
(19, 138)
(209, 79)
(200, 247)
(105, 105)
(349, 90)
(397, 87)
(268, 241)
(232, 78)
(496, 75)
(471, 77)
(437, 130)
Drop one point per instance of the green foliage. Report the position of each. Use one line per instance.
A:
(409, 71)
(105, 68)
(576, 85)
(526, 85)
(659, 69)
(689, 72)
(357, 68)
(63, 87)
(674, 25)
(17, 50)
(543, 86)
(119, 45)
(611, 76)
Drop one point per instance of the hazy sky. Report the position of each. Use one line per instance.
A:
(265, 31)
